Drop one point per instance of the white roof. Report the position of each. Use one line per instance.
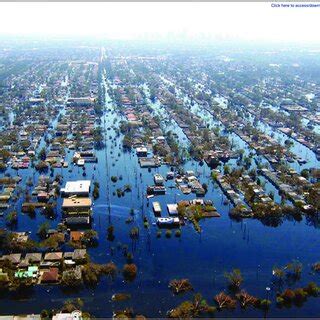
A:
(77, 186)
(172, 208)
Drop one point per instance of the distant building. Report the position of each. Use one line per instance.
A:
(142, 151)
(22, 317)
(75, 315)
(36, 101)
(81, 102)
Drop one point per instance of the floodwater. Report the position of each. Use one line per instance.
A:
(203, 258)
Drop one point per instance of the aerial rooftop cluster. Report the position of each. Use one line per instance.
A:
(112, 159)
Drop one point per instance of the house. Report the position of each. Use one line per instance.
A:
(15, 258)
(23, 264)
(36, 101)
(76, 236)
(32, 272)
(161, 139)
(172, 209)
(79, 188)
(20, 237)
(33, 257)
(158, 179)
(43, 196)
(141, 151)
(68, 255)
(79, 254)
(21, 317)
(53, 256)
(77, 210)
(50, 276)
(75, 315)
(80, 102)
(77, 206)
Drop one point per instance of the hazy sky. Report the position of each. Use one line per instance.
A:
(249, 21)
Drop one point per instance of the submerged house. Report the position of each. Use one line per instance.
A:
(77, 188)
(50, 276)
(77, 210)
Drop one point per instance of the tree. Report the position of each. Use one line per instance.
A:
(294, 269)
(134, 233)
(224, 301)
(129, 271)
(43, 230)
(191, 309)
(110, 233)
(180, 285)
(12, 218)
(52, 242)
(95, 192)
(92, 272)
(72, 305)
(70, 279)
(226, 169)
(246, 299)
(42, 154)
(234, 278)
(89, 236)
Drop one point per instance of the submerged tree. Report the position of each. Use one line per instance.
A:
(234, 278)
(246, 299)
(191, 309)
(12, 218)
(224, 301)
(294, 269)
(129, 271)
(180, 285)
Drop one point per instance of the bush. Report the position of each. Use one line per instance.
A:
(129, 271)
(316, 267)
(178, 233)
(294, 269)
(114, 179)
(96, 192)
(134, 233)
(300, 295)
(265, 304)
(312, 289)
(288, 295)
(280, 301)
(12, 218)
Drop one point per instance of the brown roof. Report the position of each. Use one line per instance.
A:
(50, 276)
(34, 257)
(76, 202)
(76, 235)
(53, 256)
(15, 257)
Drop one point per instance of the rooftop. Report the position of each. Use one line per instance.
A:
(74, 187)
(76, 202)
